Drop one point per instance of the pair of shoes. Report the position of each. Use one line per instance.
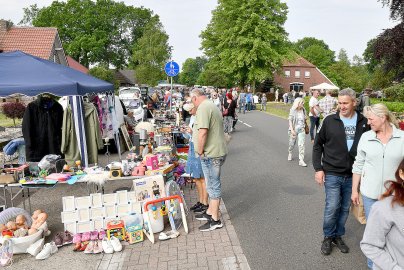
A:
(302, 163)
(289, 156)
(93, 247)
(201, 209)
(36, 247)
(211, 225)
(203, 216)
(94, 235)
(168, 235)
(197, 205)
(340, 244)
(6, 253)
(63, 238)
(47, 251)
(111, 245)
(326, 246)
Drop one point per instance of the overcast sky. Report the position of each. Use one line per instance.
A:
(347, 24)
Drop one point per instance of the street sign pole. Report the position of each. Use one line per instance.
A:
(172, 69)
(171, 93)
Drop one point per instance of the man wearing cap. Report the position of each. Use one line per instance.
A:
(210, 145)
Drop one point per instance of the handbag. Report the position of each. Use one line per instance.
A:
(306, 127)
(225, 112)
(358, 211)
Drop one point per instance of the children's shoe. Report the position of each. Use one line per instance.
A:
(47, 251)
(58, 239)
(90, 248)
(83, 246)
(86, 237)
(77, 246)
(116, 244)
(77, 238)
(94, 235)
(67, 238)
(97, 247)
(107, 246)
(101, 234)
(36, 247)
(6, 253)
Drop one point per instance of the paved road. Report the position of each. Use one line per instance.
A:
(275, 205)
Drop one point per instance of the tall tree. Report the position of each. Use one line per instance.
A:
(94, 32)
(191, 69)
(150, 53)
(246, 39)
(104, 73)
(343, 56)
(396, 8)
(316, 51)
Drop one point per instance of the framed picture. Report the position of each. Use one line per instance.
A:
(68, 203)
(96, 200)
(71, 227)
(122, 196)
(109, 198)
(69, 216)
(126, 137)
(96, 213)
(83, 214)
(98, 224)
(83, 227)
(83, 202)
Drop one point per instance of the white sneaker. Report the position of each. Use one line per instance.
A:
(116, 244)
(301, 163)
(290, 157)
(36, 247)
(106, 246)
(47, 251)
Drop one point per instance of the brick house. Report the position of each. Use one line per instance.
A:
(299, 75)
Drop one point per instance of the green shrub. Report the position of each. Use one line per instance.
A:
(395, 93)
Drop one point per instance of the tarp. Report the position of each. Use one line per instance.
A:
(30, 75)
(324, 86)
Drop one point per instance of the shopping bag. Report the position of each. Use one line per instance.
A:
(358, 211)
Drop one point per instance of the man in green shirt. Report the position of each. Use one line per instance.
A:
(210, 145)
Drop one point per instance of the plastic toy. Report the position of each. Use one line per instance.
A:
(163, 209)
(154, 209)
(116, 228)
(139, 171)
(134, 234)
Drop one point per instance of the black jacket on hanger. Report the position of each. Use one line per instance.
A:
(42, 128)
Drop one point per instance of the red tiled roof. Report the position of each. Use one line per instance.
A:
(37, 41)
(76, 65)
(298, 62)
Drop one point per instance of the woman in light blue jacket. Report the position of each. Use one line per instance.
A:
(379, 153)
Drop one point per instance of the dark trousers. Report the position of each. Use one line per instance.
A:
(314, 124)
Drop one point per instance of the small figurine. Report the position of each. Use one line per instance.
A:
(21, 222)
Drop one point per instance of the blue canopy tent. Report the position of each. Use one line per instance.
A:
(30, 75)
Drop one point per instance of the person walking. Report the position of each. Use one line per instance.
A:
(264, 102)
(334, 152)
(328, 104)
(229, 109)
(380, 151)
(242, 102)
(210, 145)
(216, 100)
(314, 113)
(194, 166)
(277, 95)
(249, 100)
(383, 237)
(296, 131)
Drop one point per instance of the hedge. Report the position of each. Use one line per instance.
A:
(395, 93)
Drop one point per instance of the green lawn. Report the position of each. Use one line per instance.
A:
(8, 122)
(278, 109)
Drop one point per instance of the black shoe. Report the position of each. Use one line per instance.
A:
(201, 209)
(197, 205)
(340, 244)
(203, 216)
(211, 225)
(326, 246)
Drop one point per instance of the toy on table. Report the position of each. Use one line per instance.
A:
(134, 234)
(43, 173)
(163, 209)
(116, 228)
(139, 171)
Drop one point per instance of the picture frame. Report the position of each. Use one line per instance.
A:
(83, 202)
(83, 214)
(123, 210)
(97, 213)
(132, 196)
(136, 207)
(122, 197)
(109, 199)
(110, 211)
(69, 216)
(96, 200)
(82, 227)
(71, 227)
(98, 224)
(126, 137)
(69, 203)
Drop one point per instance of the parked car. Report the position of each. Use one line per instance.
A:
(137, 107)
(127, 94)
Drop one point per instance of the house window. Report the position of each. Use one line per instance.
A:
(296, 86)
(287, 73)
(307, 74)
(297, 74)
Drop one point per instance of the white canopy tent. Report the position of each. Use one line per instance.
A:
(324, 86)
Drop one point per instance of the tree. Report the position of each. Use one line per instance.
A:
(246, 40)
(396, 8)
(343, 56)
(150, 53)
(103, 73)
(316, 51)
(14, 110)
(101, 32)
(191, 69)
(214, 76)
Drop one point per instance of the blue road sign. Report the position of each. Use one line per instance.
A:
(172, 69)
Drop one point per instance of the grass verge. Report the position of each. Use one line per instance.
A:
(8, 122)
(277, 109)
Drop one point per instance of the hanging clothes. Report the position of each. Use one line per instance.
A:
(93, 141)
(42, 128)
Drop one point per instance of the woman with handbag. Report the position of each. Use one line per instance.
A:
(380, 151)
(229, 110)
(297, 129)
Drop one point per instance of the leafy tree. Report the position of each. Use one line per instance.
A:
(246, 39)
(396, 8)
(103, 73)
(213, 76)
(316, 51)
(191, 69)
(345, 76)
(94, 32)
(150, 53)
(343, 56)
(14, 110)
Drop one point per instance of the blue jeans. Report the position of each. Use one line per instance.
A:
(338, 190)
(249, 106)
(367, 204)
(314, 123)
(211, 168)
(241, 106)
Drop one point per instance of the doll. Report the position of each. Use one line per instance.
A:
(2, 227)
(21, 222)
(35, 214)
(11, 225)
(42, 217)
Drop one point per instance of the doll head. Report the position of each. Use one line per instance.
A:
(40, 220)
(20, 220)
(2, 227)
(36, 213)
(11, 225)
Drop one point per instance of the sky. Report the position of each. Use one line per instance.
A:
(347, 24)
